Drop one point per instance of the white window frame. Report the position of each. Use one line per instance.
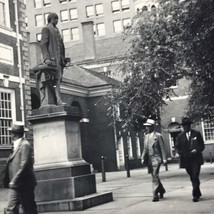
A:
(115, 6)
(47, 3)
(13, 113)
(7, 14)
(115, 26)
(74, 15)
(125, 5)
(38, 3)
(126, 23)
(46, 18)
(75, 35)
(205, 128)
(99, 9)
(6, 58)
(66, 37)
(39, 22)
(100, 29)
(64, 15)
(89, 11)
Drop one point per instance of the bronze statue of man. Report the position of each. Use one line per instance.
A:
(53, 52)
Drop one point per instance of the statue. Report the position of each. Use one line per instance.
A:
(49, 73)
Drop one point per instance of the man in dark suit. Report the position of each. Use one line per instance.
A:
(19, 175)
(189, 146)
(154, 152)
(53, 51)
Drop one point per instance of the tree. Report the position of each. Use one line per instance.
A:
(168, 43)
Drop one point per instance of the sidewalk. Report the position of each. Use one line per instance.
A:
(134, 195)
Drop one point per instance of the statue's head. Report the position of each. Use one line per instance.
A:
(52, 16)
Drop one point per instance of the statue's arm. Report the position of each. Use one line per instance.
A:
(45, 43)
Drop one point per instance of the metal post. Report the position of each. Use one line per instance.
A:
(166, 166)
(211, 157)
(127, 166)
(103, 168)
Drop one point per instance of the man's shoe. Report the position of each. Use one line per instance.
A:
(161, 195)
(156, 198)
(195, 199)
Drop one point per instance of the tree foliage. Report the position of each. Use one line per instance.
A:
(168, 42)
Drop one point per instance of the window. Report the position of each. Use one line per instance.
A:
(208, 129)
(129, 146)
(38, 3)
(39, 20)
(4, 13)
(64, 15)
(6, 54)
(138, 147)
(66, 35)
(7, 113)
(38, 37)
(89, 11)
(99, 9)
(46, 18)
(115, 6)
(100, 29)
(126, 23)
(125, 5)
(73, 14)
(117, 26)
(74, 34)
(47, 2)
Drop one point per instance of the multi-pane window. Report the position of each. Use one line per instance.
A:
(99, 29)
(89, 11)
(115, 6)
(6, 54)
(73, 14)
(2, 14)
(6, 116)
(38, 3)
(125, 5)
(38, 37)
(39, 20)
(66, 35)
(64, 15)
(75, 34)
(46, 18)
(208, 127)
(117, 26)
(99, 9)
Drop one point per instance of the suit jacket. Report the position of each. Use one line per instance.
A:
(158, 148)
(19, 167)
(184, 148)
(52, 45)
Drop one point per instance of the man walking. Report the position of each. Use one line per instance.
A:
(189, 145)
(154, 153)
(19, 175)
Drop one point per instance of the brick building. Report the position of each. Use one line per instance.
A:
(15, 95)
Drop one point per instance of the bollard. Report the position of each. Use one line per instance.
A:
(127, 166)
(103, 168)
(211, 157)
(166, 166)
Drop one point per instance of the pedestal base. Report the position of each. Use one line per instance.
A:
(76, 204)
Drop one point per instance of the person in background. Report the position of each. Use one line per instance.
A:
(189, 146)
(19, 176)
(154, 153)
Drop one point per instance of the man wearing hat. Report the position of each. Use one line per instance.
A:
(19, 175)
(154, 152)
(189, 146)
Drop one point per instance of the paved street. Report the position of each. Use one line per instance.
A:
(134, 196)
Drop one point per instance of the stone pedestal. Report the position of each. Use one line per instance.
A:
(65, 181)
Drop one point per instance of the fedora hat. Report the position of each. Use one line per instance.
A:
(149, 122)
(17, 128)
(186, 121)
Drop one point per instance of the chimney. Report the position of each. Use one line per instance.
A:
(88, 40)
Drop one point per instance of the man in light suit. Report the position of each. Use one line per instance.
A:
(189, 146)
(53, 52)
(19, 175)
(154, 151)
